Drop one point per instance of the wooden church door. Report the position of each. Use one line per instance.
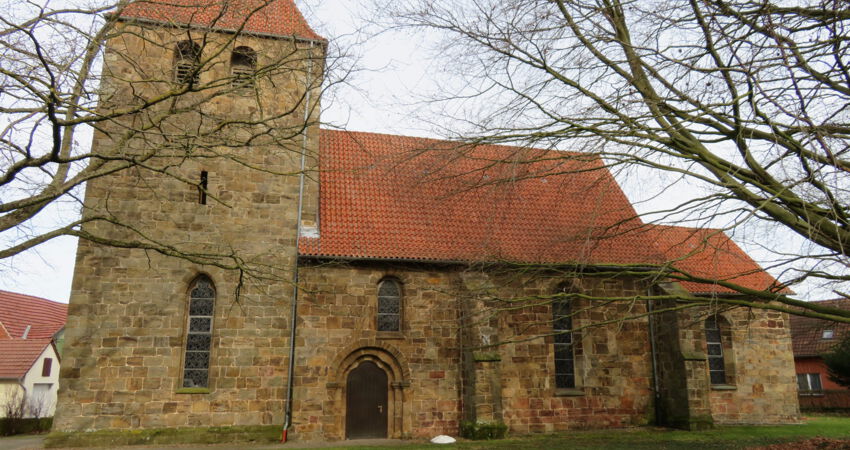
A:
(366, 402)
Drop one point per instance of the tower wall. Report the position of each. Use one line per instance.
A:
(127, 320)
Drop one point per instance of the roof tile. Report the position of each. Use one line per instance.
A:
(18, 310)
(272, 17)
(397, 197)
(18, 355)
(807, 333)
(709, 253)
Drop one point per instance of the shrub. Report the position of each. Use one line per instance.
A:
(483, 430)
(838, 362)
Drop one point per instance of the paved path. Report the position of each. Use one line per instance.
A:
(33, 442)
(26, 441)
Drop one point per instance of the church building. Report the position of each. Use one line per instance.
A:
(247, 267)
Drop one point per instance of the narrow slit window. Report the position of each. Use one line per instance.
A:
(389, 305)
(202, 188)
(714, 348)
(243, 65)
(196, 365)
(46, 367)
(562, 324)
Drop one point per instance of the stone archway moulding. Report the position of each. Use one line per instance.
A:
(385, 355)
(389, 359)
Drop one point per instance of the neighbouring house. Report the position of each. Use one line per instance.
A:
(29, 377)
(811, 339)
(428, 279)
(30, 328)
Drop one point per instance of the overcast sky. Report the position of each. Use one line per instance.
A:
(380, 97)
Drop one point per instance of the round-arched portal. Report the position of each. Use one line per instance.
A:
(367, 408)
(384, 363)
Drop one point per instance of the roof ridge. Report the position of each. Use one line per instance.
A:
(458, 141)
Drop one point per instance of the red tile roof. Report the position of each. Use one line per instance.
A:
(3, 333)
(807, 333)
(709, 253)
(18, 310)
(396, 197)
(271, 17)
(18, 355)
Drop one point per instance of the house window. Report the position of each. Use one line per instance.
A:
(187, 57)
(809, 384)
(828, 334)
(389, 305)
(243, 65)
(714, 348)
(562, 324)
(46, 366)
(199, 337)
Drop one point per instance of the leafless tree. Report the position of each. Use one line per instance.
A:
(747, 99)
(57, 92)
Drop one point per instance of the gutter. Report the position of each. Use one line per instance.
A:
(287, 423)
(458, 262)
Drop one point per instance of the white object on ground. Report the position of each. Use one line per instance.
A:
(443, 439)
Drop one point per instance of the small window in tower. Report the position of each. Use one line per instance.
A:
(243, 65)
(187, 57)
(46, 367)
(202, 188)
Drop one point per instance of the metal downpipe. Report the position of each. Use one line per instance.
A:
(287, 423)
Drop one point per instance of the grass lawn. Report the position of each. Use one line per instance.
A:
(834, 427)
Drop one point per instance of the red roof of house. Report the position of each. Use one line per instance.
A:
(18, 355)
(396, 197)
(44, 316)
(709, 253)
(807, 334)
(3, 333)
(271, 17)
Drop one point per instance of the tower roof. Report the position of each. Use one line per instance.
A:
(270, 17)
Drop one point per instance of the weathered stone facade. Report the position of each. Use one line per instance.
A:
(127, 317)
(461, 354)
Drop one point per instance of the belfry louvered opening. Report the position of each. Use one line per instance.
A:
(187, 56)
(243, 67)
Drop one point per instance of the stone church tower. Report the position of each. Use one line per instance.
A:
(204, 212)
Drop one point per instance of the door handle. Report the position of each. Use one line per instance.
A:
(381, 409)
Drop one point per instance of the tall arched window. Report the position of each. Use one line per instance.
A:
(196, 363)
(562, 324)
(715, 349)
(243, 65)
(187, 56)
(389, 305)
